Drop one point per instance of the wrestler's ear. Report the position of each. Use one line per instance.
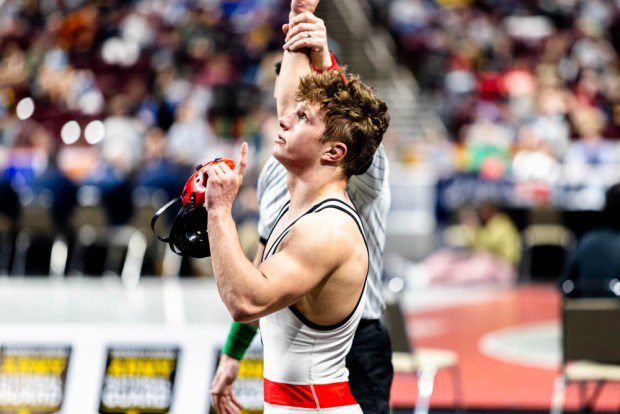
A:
(335, 152)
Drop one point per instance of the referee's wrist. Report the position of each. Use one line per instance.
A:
(239, 339)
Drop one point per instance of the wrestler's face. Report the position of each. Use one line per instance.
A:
(299, 143)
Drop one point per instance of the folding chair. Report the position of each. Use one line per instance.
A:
(590, 349)
(7, 236)
(545, 249)
(147, 201)
(424, 363)
(125, 245)
(36, 224)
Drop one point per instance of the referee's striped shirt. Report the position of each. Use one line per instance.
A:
(370, 194)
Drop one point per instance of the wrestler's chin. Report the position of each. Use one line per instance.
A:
(280, 155)
(277, 152)
(278, 148)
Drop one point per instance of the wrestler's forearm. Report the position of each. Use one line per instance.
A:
(238, 280)
(295, 65)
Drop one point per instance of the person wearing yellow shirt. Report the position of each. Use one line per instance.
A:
(498, 235)
(489, 251)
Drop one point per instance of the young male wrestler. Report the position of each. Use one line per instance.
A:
(368, 362)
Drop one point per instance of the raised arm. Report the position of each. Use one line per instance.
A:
(306, 44)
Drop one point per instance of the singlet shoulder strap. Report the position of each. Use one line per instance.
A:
(281, 214)
(278, 240)
(346, 208)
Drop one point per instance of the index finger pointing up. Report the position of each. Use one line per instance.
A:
(243, 160)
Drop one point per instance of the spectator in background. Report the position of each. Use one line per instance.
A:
(159, 171)
(550, 123)
(488, 251)
(497, 235)
(9, 206)
(595, 264)
(535, 158)
(190, 137)
(591, 157)
(13, 69)
(121, 151)
(488, 142)
(122, 143)
(51, 186)
(9, 215)
(40, 180)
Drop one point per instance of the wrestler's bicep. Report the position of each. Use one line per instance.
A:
(288, 279)
(301, 264)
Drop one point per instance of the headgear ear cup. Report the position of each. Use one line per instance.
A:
(188, 233)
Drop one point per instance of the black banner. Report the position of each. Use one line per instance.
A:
(139, 380)
(32, 378)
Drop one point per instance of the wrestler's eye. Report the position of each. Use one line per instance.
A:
(302, 116)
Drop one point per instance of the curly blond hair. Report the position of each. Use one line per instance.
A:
(352, 112)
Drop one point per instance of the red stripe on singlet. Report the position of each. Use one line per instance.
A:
(337, 394)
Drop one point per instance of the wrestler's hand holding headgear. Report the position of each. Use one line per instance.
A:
(188, 233)
(224, 183)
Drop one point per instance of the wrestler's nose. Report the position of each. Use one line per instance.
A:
(284, 123)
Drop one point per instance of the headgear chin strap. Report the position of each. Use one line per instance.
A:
(188, 233)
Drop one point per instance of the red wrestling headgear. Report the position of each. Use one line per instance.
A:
(188, 233)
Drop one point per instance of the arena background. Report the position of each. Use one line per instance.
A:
(106, 107)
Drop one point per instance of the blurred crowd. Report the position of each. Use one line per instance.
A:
(99, 99)
(528, 90)
(112, 103)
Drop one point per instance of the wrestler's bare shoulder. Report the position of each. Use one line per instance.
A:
(334, 230)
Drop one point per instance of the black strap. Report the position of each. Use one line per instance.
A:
(283, 211)
(348, 210)
(156, 217)
(317, 207)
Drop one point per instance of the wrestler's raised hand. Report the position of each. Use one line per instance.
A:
(308, 31)
(300, 6)
(223, 183)
(224, 399)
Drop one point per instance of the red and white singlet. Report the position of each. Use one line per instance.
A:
(304, 367)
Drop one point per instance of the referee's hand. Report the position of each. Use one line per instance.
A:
(224, 399)
(306, 31)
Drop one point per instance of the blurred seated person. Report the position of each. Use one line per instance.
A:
(590, 157)
(595, 263)
(121, 151)
(170, 159)
(9, 202)
(191, 140)
(535, 158)
(50, 184)
(161, 171)
(488, 250)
